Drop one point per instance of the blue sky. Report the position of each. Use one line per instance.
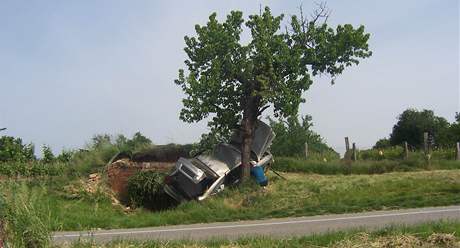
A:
(72, 69)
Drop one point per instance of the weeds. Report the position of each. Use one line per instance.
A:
(360, 167)
(301, 195)
(27, 219)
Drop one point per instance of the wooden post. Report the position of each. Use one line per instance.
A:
(425, 142)
(406, 150)
(2, 234)
(347, 144)
(306, 149)
(458, 150)
(427, 148)
(354, 152)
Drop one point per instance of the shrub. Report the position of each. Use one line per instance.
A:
(391, 153)
(145, 189)
(292, 134)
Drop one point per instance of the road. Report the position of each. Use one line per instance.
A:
(272, 227)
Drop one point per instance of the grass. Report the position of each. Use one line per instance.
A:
(300, 195)
(289, 164)
(435, 234)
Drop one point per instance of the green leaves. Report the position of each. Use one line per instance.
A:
(224, 74)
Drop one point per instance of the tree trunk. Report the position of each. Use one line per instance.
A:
(248, 125)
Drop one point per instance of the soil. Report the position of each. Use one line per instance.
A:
(119, 171)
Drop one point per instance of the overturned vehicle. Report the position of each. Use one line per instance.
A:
(205, 175)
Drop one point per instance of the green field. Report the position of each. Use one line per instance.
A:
(299, 195)
(361, 167)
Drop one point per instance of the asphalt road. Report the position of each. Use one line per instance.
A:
(272, 227)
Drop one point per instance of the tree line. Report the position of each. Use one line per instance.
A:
(412, 123)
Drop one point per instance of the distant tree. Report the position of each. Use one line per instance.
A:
(382, 144)
(454, 130)
(292, 134)
(101, 140)
(235, 81)
(12, 149)
(65, 156)
(138, 141)
(48, 156)
(413, 123)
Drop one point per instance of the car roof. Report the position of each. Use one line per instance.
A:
(224, 158)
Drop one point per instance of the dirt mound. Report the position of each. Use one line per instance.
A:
(163, 153)
(119, 171)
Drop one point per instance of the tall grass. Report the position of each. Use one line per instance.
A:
(300, 195)
(397, 153)
(334, 167)
(27, 219)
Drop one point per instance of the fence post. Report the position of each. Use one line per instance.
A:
(347, 144)
(406, 150)
(2, 234)
(458, 151)
(306, 149)
(425, 142)
(354, 152)
(426, 148)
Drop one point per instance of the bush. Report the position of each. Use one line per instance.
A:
(291, 136)
(145, 189)
(391, 153)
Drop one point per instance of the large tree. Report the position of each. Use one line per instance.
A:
(235, 81)
(413, 123)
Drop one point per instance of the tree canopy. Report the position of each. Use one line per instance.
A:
(413, 123)
(234, 81)
(292, 134)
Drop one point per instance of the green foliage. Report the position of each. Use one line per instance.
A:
(32, 169)
(382, 144)
(65, 156)
(301, 195)
(397, 153)
(27, 219)
(12, 149)
(291, 136)
(390, 153)
(145, 189)
(233, 80)
(376, 166)
(48, 156)
(413, 123)
(136, 143)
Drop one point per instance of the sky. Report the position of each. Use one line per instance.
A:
(73, 69)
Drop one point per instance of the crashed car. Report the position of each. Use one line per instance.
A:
(205, 175)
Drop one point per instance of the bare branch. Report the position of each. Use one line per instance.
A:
(322, 12)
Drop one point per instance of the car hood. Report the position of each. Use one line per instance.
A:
(263, 138)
